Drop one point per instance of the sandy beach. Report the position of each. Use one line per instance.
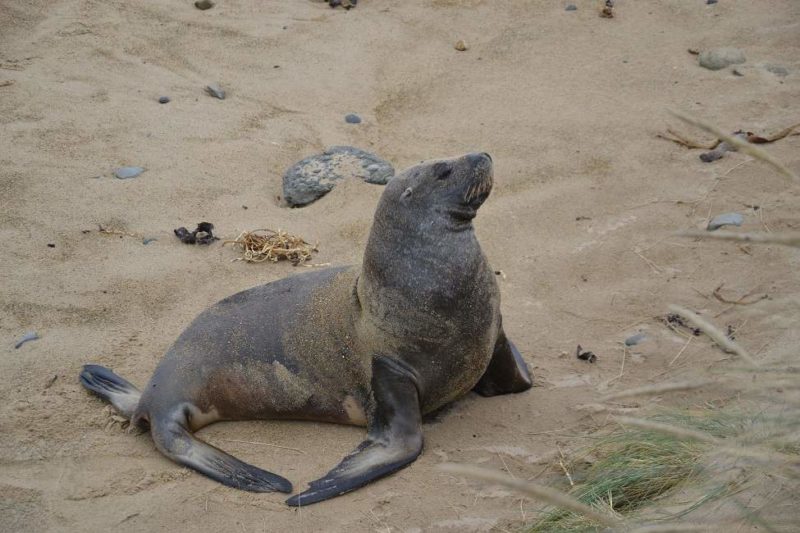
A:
(581, 223)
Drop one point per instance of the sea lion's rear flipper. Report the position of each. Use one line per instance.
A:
(175, 441)
(507, 371)
(394, 439)
(102, 382)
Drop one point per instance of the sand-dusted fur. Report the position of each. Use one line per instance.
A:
(416, 326)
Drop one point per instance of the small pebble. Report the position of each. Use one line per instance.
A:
(719, 58)
(27, 337)
(633, 340)
(163, 99)
(710, 2)
(352, 119)
(148, 240)
(204, 4)
(779, 71)
(125, 173)
(216, 91)
(726, 219)
(585, 355)
(716, 153)
(51, 245)
(737, 72)
(460, 45)
(571, 7)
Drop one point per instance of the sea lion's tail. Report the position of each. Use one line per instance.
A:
(102, 382)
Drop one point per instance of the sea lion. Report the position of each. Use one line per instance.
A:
(415, 327)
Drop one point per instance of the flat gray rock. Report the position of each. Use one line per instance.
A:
(125, 173)
(778, 70)
(633, 340)
(719, 58)
(726, 219)
(315, 176)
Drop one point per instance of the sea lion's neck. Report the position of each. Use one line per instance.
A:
(427, 262)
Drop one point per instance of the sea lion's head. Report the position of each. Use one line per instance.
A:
(447, 190)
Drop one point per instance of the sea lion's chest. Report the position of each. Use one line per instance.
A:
(446, 333)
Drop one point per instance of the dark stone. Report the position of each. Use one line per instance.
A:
(352, 118)
(571, 7)
(585, 355)
(163, 99)
(201, 235)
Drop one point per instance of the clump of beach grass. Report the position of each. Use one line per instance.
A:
(632, 466)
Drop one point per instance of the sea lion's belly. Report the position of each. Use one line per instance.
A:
(281, 350)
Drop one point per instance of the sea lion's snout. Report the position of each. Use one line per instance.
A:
(477, 159)
(455, 187)
(480, 184)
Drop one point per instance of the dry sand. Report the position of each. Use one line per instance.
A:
(567, 103)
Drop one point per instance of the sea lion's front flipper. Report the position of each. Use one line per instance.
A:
(507, 370)
(394, 439)
(174, 440)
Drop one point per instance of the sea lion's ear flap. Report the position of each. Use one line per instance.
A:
(406, 193)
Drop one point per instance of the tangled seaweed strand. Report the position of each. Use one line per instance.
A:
(274, 246)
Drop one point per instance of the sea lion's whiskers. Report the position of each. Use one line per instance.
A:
(468, 196)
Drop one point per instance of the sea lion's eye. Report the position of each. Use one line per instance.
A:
(406, 193)
(442, 170)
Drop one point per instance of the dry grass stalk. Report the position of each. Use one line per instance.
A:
(787, 462)
(113, 231)
(273, 246)
(688, 342)
(656, 389)
(668, 429)
(670, 528)
(741, 145)
(546, 494)
(719, 445)
(265, 444)
(785, 239)
(715, 334)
